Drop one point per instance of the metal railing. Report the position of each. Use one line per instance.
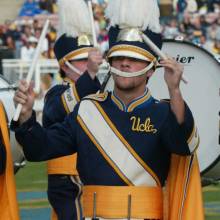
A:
(16, 69)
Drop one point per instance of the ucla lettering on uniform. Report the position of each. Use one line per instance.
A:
(142, 127)
(69, 96)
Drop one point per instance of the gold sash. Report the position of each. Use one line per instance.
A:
(8, 200)
(112, 202)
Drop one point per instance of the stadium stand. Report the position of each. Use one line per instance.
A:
(9, 9)
(195, 21)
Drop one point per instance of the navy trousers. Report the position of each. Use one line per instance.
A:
(63, 195)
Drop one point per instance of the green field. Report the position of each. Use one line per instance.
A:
(33, 178)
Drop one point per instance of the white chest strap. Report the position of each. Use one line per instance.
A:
(70, 99)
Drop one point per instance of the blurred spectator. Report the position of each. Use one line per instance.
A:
(212, 32)
(13, 39)
(52, 35)
(35, 25)
(180, 9)
(210, 5)
(101, 26)
(10, 43)
(50, 53)
(2, 35)
(44, 47)
(191, 6)
(217, 36)
(103, 40)
(198, 29)
(30, 8)
(216, 47)
(26, 33)
(47, 5)
(201, 3)
(171, 31)
(27, 51)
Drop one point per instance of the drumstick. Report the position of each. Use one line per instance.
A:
(33, 64)
(158, 51)
(92, 22)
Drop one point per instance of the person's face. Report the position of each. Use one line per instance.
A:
(27, 30)
(38, 33)
(81, 65)
(127, 64)
(33, 45)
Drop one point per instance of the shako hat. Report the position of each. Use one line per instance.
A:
(129, 19)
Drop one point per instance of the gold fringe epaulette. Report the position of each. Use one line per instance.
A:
(100, 97)
(165, 100)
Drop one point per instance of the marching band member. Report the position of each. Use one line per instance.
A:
(63, 181)
(9, 206)
(126, 140)
(75, 47)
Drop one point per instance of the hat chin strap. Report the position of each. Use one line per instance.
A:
(73, 68)
(131, 74)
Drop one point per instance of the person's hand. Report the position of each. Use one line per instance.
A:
(173, 73)
(94, 60)
(24, 96)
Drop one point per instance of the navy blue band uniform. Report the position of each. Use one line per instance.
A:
(152, 135)
(55, 108)
(62, 173)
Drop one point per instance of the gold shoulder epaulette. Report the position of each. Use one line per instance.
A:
(165, 100)
(100, 97)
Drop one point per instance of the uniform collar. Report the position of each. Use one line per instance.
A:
(67, 81)
(136, 103)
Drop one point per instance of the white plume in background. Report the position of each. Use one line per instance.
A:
(141, 14)
(74, 18)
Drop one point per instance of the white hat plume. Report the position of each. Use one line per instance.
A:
(74, 18)
(143, 14)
